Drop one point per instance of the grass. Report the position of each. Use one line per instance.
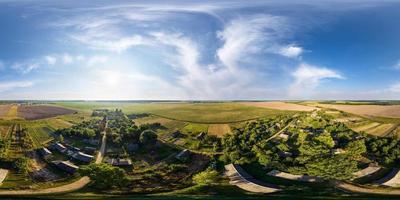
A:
(195, 128)
(207, 113)
(15, 180)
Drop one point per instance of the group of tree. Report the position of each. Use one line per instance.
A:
(385, 150)
(85, 129)
(105, 176)
(310, 149)
(238, 147)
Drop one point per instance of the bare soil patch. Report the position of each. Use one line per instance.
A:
(219, 129)
(281, 106)
(392, 111)
(42, 111)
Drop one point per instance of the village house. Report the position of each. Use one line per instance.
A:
(183, 155)
(66, 166)
(59, 147)
(119, 161)
(83, 157)
(44, 152)
(89, 150)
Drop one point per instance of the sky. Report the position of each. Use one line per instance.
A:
(200, 50)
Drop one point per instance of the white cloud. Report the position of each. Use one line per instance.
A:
(397, 65)
(308, 77)
(26, 67)
(243, 36)
(6, 86)
(2, 65)
(93, 60)
(65, 59)
(291, 51)
(51, 60)
(395, 88)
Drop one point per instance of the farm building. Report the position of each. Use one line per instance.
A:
(176, 134)
(183, 155)
(132, 147)
(91, 141)
(201, 136)
(3, 175)
(89, 150)
(59, 147)
(284, 154)
(66, 166)
(83, 157)
(44, 152)
(284, 136)
(119, 162)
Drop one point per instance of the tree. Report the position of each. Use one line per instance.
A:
(22, 165)
(61, 138)
(355, 148)
(339, 167)
(207, 177)
(105, 176)
(148, 137)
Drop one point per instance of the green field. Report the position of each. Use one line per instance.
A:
(189, 112)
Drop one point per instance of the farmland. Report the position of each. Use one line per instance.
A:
(201, 128)
(188, 112)
(390, 111)
(281, 106)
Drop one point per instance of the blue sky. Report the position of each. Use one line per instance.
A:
(206, 50)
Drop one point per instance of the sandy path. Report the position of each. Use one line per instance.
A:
(281, 106)
(246, 182)
(365, 190)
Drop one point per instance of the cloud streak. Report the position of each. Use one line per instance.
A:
(11, 85)
(308, 77)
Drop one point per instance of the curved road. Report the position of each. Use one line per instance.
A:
(76, 185)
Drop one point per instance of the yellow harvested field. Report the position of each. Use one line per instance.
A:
(219, 129)
(366, 126)
(380, 130)
(392, 111)
(59, 123)
(8, 111)
(281, 106)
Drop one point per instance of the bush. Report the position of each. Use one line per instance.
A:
(207, 177)
(105, 176)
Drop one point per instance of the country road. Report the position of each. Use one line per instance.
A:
(76, 185)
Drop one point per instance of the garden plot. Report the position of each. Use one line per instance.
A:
(219, 129)
(366, 126)
(381, 130)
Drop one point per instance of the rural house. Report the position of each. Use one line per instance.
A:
(183, 155)
(59, 147)
(66, 166)
(44, 152)
(83, 157)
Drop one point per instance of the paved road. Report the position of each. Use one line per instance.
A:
(246, 182)
(76, 185)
